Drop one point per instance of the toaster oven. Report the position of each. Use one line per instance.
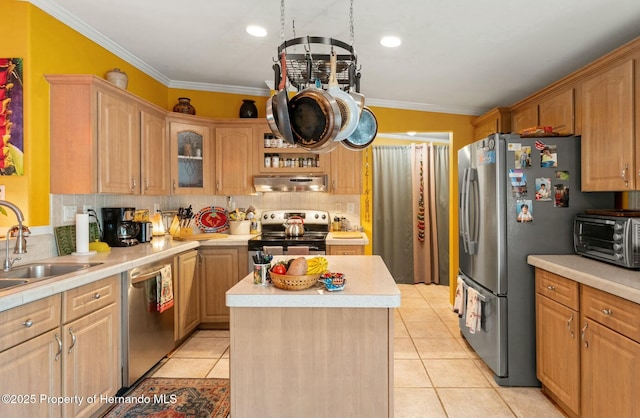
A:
(613, 237)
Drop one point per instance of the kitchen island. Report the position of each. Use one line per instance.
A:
(313, 352)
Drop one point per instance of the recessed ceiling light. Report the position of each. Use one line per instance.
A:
(390, 41)
(257, 31)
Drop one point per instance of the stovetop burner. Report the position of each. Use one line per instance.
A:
(316, 228)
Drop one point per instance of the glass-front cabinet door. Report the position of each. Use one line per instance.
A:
(192, 157)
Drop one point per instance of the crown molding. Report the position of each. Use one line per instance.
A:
(73, 22)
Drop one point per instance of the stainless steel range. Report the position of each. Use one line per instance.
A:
(274, 240)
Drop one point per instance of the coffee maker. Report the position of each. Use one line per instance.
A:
(119, 228)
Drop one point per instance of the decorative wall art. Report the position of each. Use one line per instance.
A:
(11, 117)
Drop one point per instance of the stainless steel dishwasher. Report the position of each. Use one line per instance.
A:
(147, 335)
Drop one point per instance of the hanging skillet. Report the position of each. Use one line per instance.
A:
(365, 133)
(272, 114)
(282, 103)
(349, 111)
(315, 118)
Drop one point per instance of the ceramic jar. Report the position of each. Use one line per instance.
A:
(184, 106)
(248, 109)
(117, 77)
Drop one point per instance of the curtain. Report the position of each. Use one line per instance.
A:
(410, 211)
(392, 210)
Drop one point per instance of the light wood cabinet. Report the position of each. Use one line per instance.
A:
(497, 120)
(98, 134)
(558, 111)
(554, 108)
(346, 171)
(607, 125)
(610, 370)
(524, 117)
(590, 367)
(234, 156)
(188, 297)
(30, 358)
(219, 270)
(557, 339)
(91, 360)
(30, 369)
(91, 345)
(154, 157)
(192, 155)
(345, 249)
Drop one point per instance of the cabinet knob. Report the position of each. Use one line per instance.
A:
(96, 296)
(550, 287)
(28, 323)
(607, 311)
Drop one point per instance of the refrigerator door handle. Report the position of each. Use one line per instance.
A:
(463, 222)
(472, 241)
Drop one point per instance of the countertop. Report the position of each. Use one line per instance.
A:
(332, 240)
(606, 277)
(368, 285)
(116, 261)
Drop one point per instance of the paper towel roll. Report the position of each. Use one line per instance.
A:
(82, 233)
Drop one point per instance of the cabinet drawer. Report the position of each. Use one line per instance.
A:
(558, 288)
(27, 321)
(90, 297)
(619, 314)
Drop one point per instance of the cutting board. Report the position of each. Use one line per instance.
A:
(200, 237)
(346, 235)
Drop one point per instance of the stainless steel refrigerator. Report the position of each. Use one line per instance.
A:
(505, 214)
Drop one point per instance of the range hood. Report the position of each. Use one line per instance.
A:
(290, 183)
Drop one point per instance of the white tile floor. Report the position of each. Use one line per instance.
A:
(436, 373)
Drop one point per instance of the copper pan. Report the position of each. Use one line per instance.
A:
(315, 118)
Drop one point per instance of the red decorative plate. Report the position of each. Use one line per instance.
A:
(212, 219)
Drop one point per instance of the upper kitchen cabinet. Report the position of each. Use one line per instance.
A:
(607, 127)
(496, 120)
(235, 139)
(98, 134)
(191, 153)
(555, 109)
(154, 158)
(346, 171)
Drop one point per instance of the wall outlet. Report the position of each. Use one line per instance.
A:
(351, 208)
(69, 213)
(2, 192)
(156, 207)
(85, 208)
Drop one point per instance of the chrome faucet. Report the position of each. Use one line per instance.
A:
(20, 231)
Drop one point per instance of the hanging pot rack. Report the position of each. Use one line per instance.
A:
(310, 68)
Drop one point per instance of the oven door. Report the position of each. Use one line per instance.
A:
(602, 239)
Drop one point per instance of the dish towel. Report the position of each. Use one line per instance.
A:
(474, 310)
(298, 250)
(164, 289)
(458, 303)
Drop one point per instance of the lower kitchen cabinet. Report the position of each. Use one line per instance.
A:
(557, 339)
(31, 358)
(91, 345)
(28, 370)
(187, 290)
(610, 355)
(345, 249)
(91, 360)
(589, 368)
(219, 270)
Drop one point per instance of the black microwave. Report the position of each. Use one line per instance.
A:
(613, 239)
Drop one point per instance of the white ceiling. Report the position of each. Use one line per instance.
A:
(457, 56)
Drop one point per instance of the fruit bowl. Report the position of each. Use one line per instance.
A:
(333, 281)
(289, 282)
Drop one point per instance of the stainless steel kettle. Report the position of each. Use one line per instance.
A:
(294, 227)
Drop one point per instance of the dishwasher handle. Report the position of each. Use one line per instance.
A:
(141, 275)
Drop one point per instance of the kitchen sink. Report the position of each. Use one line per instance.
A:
(41, 271)
(7, 283)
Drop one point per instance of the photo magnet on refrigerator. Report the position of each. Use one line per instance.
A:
(525, 210)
